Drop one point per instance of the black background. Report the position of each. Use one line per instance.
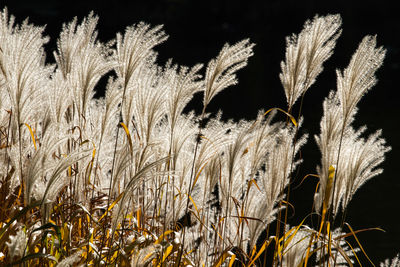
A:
(197, 31)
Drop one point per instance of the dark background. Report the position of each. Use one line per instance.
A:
(199, 29)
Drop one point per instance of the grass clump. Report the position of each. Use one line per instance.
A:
(130, 179)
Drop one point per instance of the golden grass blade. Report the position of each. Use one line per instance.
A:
(253, 251)
(284, 241)
(262, 248)
(167, 252)
(161, 237)
(253, 181)
(348, 260)
(329, 246)
(358, 242)
(232, 260)
(305, 260)
(128, 135)
(138, 216)
(359, 231)
(281, 110)
(218, 233)
(305, 177)
(288, 204)
(198, 174)
(32, 135)
(329, 185)
(194, 204)
(354, 253)
(111, 206)
(222, 258)
(247, 218)
(89, 168)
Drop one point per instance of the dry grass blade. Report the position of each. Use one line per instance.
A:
(358, 242)
(32, 135)
(287, 113)
(263, 247)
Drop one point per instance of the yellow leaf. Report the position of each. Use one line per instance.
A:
(33, 137)
(290, 116)
(358, 242)
(253, 251)
(263, 247)
(221, 259)
(253, 181)
(328, 231)
(308, 255)
(161, 237)
(328, 189)
(329, 184)
(198, 174)
(138, 216)
(167, 252)
(232, 260)
(128, 135)
(111, 206)
(194, 204)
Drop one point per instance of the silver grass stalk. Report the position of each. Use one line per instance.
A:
(231, 180)
(279, 163)
(60, 98)
(220, 72)
(359, 76)
(355, 160)
(23, 72)
(183, 84)
(144, 102)
(134, 47)
(57, 181)
(235, 171)
(358, 163)
(133, 182)
(358, 159)
(83, 61)
(111, 102)
(42, 163)
(180, 149)
(24, 80)
(105, 134)
(122, 162)
(306, 53)
(262, 141)
(214, 141)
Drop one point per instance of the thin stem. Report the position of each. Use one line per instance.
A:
(112, 170)
(190, 187)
